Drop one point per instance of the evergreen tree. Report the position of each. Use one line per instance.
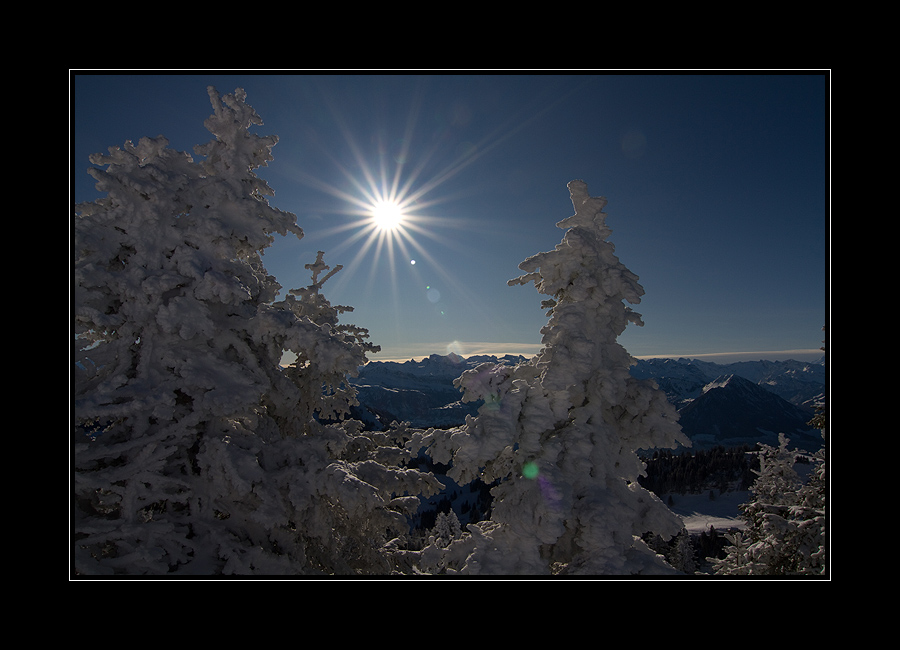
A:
(785, 520)
(809, 518)
(682, 555)
(193, 451)
(773, 493)
(446, 528)
(323, 379)
(737, 560)
(560, 431)
(811, 509)
(809, 515)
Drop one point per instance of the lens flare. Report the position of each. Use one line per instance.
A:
(530, 470)
(548, 490)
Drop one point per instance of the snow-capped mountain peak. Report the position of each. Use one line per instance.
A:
(734, 410)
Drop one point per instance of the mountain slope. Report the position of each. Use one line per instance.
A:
(733, 411)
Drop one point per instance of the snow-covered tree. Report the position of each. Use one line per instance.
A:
(560, 431)
(811, 509)
(737, 560)
(193, 450)
(810, 512)
(809, 517)
(683, 554)
(446, 528)
(310, 371)
(785, 520)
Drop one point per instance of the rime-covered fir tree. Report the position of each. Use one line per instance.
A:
(809, 516)
(193, 451)
(786, 519)
(446, 528)
(765, 547)
(560, 431)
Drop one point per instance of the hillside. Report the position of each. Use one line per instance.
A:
(733, 411)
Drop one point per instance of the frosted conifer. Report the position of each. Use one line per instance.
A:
(786, 523)
(561, 430)
(446, 528)
(193, 450)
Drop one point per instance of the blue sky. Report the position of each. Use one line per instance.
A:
(718, 190)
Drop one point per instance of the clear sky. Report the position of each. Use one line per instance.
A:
(718, 189)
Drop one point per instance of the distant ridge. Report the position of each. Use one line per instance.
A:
(799, 382)
(730, 404)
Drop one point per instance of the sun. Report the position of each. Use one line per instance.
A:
(387, 215)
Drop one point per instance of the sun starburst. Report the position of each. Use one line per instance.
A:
(391, 200)
(387, 215)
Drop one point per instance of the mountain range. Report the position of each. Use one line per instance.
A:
(718, 404)
(418, 392)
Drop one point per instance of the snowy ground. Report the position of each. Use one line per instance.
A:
(699, 512)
